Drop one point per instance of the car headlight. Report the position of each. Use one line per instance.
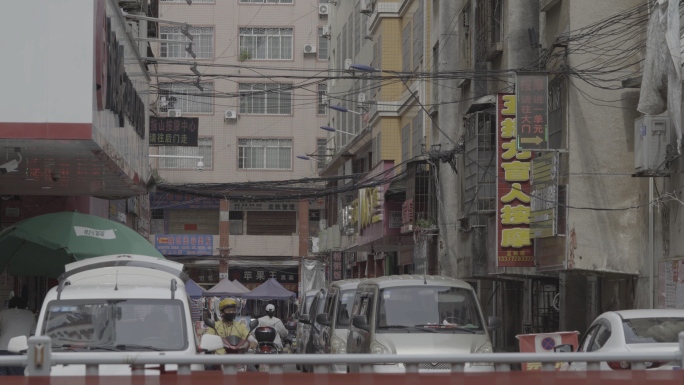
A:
(378, 348)
(486, 348)
(338, 346)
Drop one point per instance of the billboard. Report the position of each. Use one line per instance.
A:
(174, 131)
(532, 112)
(514, 244)
(184, 244)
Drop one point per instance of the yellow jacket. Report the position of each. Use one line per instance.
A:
(227, 329)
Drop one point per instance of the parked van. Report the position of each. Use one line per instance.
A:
(304, 328)
(335, 322)
(412, 314)
(313, 339)
(121, 303)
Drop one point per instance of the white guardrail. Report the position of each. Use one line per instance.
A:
(39, 359)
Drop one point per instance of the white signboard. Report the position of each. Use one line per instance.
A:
(264, 206)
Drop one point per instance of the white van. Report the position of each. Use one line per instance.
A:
(119, 303)
(419, 315)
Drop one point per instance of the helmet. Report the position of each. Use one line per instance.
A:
(227, 302)
(270, 308)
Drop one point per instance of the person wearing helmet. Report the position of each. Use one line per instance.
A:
(227, 326)
(271, 320)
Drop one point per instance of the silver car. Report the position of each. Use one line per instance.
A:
(304, 328)
(419, 315)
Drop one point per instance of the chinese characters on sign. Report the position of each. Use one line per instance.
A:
(514, 244)
(336, 265)
(532, 95)
(252, 277)
(544, 203)
(184, 244)
(263, 206)
(173, 131)
(182, 202)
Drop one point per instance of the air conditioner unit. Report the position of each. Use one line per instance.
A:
(324, 99)
(347, 64)
(310, 48)
(326, 31)
(362, 97)
(174, 113)
(651, 139)
(163, 102)
(366, 6)
(323, 9)
(230, 115)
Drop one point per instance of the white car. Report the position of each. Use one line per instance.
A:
(642, 331)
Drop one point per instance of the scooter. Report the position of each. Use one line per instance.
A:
(232, 345)
(291, 339)
(265, 335)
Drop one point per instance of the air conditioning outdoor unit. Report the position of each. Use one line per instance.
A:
(230, 115)
(347, 64)
(366, 6)
(323, 9)
(310, 48)
(362, 97)
(326, 31)
(651, 139)
(174, 113)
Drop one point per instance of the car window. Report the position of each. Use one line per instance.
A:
(344, 304)
(652, 330)
(319, 307)
(330, 304)
(602, 335)
(584, 345)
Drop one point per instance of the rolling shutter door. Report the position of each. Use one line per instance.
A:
(271, 222)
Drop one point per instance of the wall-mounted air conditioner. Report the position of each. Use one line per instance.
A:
(174, 113)
(229, 115)
(362, 97)
(347, 64)
(326, 31)
(323, 9)
(310, 48)
(366, 6)
(651, 139)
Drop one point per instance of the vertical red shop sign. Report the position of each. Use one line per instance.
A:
(514, 245)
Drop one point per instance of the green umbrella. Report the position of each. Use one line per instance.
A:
(42, 245)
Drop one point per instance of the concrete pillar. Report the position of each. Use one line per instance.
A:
(522, 14)
(303, 227)
(224, 233)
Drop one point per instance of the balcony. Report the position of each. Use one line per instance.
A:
(264, 245)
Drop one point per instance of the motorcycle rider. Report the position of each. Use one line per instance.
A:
(227, 326)
(270, 320)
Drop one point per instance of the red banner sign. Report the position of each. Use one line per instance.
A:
(514, 245)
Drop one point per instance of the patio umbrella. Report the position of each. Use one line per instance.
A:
(225, 288)
(238, 284)
(42, 245)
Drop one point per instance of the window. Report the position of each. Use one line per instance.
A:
(322, 91)
(186, 97)
(557, 113)
(480, 150)
(406, 48)
(235, 222)
(204, 149)
(321, 150)
(488, 27)
(377, 148)
(344, 305)
(265, 154)
(584, 344)
(185, 1)
(265, 99)
(202, 42)
(418, 35)
(357, 29)
(405, 142)
(266, 1)
(322, 45)
(266, 43)
(417, 135)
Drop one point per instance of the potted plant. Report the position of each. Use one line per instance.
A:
(245, 55)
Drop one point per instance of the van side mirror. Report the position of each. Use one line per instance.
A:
(304, 318)
(323, 319)
(494, 323)
(565, 348)
(360, 322)
(18, 344)
(211, 342)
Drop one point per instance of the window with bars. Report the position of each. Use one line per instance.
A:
(264, 154)
(202, 42)
(322, 150)
(345, 53)
(418, 35)
(323, 44)
(377, 148)
(265, 99)
(204, 148)
(556, 113)
(406, 142)
(489, 27)
(186, 97)
(322, 91)
(417, 135)
(266, 1)
(266, 43)
(406, 48)
(357, 28)
(480, 162)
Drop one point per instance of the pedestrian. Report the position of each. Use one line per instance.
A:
(14, 322)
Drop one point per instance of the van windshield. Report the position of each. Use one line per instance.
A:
(344, 304)
(116, 325)
(437, 307)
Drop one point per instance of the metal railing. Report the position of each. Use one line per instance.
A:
(40, 358)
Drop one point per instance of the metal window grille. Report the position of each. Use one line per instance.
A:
(489, 24)
(340, 40)
(323, 44)
(357, 28)
(321, 149)
(421, 188)
(557, 113)
(265, 99)
(480, 150)
(322, 91)
(406, 48)
(202, 42)
(418, 35)
(377, 148)
(204, 148)
(417, 135)
(266, 43)
(544, 316)
(157, 214)
(186, 97)
(265, 154)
